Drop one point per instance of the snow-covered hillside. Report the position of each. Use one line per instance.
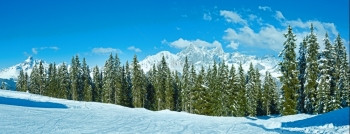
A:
(204, 56)
(28, 113)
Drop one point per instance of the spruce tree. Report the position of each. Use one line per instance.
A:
(251, 91)
(138, 88)
(75, 76)
(41, 78)
(232, 92)
(311, 73)
(129, 99)
(64, 82)
(86, 79)
(289, 78)
(342, 76)
(199, 100)
(301, 77)
(185, 80)
(241, 96)
(117, 79)
(177, 92)
(224, 91)
(20, 82)
(34, 80)
(108, 81)
(97, 82)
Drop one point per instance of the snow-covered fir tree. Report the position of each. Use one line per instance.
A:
(138, 88)
(301, 77)
(75, 76)
(269, 96)
(289, 79)
(64, 81)
(241, 96)
(311, 73)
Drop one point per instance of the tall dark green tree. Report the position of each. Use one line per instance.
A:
(311, 73)
(22, 81)
(252, 94)
(232, 92)
(86, 79)
(75, 76)
(289, 78)
(199, 94)
(270, 96)
(108, 81)
(138, 88)
(64, 82)
(241, 96)
(97, 82)
(41, 78)
(301, 77)
(342, 73)
(185, 80)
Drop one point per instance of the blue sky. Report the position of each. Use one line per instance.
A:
(55, 30)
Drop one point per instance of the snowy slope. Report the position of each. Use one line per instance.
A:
(204, 56)
(27, 113)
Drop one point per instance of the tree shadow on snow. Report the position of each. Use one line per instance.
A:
(337, 118)
(29, 103)
(278, 130)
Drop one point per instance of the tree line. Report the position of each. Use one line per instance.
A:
(315, 82)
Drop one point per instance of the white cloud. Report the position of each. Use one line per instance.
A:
(102, 50)
(265, 8)
(279, 16)
(267, 37)
(234, 45)
(133, 48)
(36, 50)
(233, 17)
(252, 17)
(181, 43)
(207, 17)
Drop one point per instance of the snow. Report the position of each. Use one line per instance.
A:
(22, 112)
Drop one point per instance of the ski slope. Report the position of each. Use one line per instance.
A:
(28, 113)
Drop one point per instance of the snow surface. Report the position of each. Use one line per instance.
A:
(28, 113)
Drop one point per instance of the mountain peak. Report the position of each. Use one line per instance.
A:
(29, 59)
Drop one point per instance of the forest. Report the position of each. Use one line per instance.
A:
(313, 81)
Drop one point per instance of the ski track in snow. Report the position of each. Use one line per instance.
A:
(92, 117)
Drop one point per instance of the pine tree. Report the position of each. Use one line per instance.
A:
(52, 82)
(301, 77)
(138, 90)
(199, 96)
(269, 96)
(97, 82)
(192, 79)
(185, 80)
(34, 81)
(129, 98)
(311, 73)
(117, 78)
(177, 92)
(86, 79)
(108, 81)
(41, 78)
(258, 90)
(241, 96)
(342, 76)
(75, 76)
(289, 79)
(232, 92)
(223, 82)
(64, 82)
(251, 92)
(20, 85)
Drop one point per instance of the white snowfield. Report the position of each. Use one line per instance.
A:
(28, 113)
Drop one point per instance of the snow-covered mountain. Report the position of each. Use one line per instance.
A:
(27, 66)
(204, 56)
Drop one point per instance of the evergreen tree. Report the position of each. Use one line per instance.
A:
(108, 81)
(185, 80)
(192, 79)
(251, 92)
(117, 79)
(241, 96)
(269, 96)
(41, 78)
(232, 92)
(21, 82)
(97, 82)
(224, 91)
(289, 79)
(342, 76)
(257, 89)
(301, 77)
(75, 76)
(34, 80)
(138, 90)
(129, 98)
(177, 92)
(64, 82)
(199, 94)
(86, 79)
(311, 73)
